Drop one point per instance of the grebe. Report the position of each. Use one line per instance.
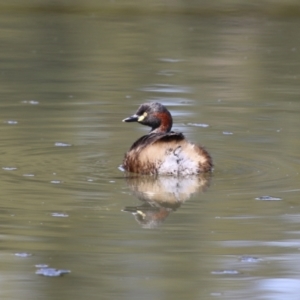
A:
(163, 151)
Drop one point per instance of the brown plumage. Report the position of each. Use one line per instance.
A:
(163, 151)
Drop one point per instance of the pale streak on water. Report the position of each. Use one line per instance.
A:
(68, 80)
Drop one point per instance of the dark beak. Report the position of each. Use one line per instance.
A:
(133, 118)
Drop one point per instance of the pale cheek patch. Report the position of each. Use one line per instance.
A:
(142, 117)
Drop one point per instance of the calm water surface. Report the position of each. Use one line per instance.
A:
(232, 84)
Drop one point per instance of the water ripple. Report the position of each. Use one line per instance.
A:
(167, 88)
(51, 272)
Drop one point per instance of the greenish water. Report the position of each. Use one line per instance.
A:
(66, 82)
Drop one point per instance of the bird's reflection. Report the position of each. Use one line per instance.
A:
(161, 196)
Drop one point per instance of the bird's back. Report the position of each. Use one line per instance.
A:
(168, 154)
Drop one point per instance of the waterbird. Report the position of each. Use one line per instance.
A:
(162, 151)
